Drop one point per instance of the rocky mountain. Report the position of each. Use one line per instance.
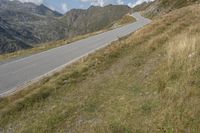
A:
(18, 22)
(11, 39)
(94, 18)
(23, 25)
(17, 6)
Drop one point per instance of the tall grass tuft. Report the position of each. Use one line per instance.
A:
(183, 53)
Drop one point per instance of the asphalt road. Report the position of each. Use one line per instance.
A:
(16, 74)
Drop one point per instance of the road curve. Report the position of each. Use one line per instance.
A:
(16, 74)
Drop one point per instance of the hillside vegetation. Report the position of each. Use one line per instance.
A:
(160, 7)
(146, 82)
(126, 19)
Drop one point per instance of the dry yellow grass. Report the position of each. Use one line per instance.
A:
(146, 82)
(183, 51)
(126, 20)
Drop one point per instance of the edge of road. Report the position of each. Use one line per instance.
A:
(58, 69)
(50, 73)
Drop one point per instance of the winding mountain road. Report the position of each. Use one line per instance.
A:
(15, 74)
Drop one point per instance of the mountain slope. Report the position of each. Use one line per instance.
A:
(94, 18)
(17, 6)
(11, 40)
(160, 7)
(141, 7)
(146, 82)
(37, 24)
(17, 22)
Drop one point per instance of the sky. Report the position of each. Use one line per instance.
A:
(63, 6)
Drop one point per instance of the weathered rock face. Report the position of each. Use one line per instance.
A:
(10, 39)
(23, 25)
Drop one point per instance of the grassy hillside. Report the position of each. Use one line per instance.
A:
(160, 7)
(141, 7)
(126, 19)
(146, 82)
